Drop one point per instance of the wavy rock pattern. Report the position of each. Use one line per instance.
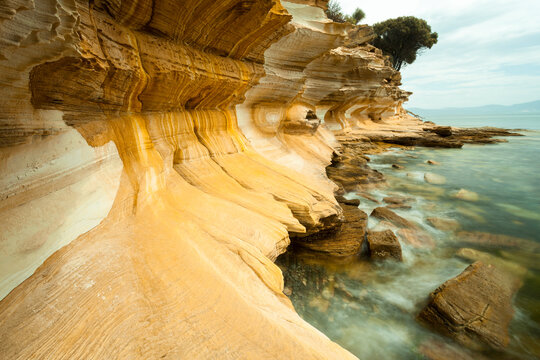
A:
(156, 155)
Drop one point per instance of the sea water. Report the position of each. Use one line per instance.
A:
(371, 308)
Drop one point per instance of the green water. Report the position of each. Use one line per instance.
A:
(370, 308)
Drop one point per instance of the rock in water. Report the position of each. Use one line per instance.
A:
(434, 179)
(511, 268)
(342, 200)
(433, 162)
(397, 202)
(466, 195)
(474, 308)
(384, 245)
(439, 350)
(443, 131)
(396, 199)
(346, 241)
(444, 224)
(417, 238)
(384, 213)
(398, 167)
(478, 238)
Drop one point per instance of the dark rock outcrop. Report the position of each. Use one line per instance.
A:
(443, 131)
(346, 241)
(350, 170)
(343, 200)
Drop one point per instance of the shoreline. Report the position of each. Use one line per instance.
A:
(344, 167)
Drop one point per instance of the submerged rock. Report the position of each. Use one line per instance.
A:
(384, 225)
(466, 195)
(443, 224)
(474, 308)
(496, 240)
(384, 245)
(397, 202)
(343, 200)
(397, 166)
(416, 238)
(510, 267)
(434, 179)
(384, 213)
(399, 206)
(368, 197)
(396, 199)
(439, 350)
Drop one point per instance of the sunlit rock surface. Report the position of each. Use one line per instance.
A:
(155, 157)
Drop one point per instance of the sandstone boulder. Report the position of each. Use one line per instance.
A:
(384, 245)
(346, 241)
(474, 308)
(384, 213)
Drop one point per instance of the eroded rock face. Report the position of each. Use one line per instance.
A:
(474, 308)
(156, 155)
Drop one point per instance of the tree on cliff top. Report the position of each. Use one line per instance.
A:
(335, 14)
(402, 38)
(357, 16)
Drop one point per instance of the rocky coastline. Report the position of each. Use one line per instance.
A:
(475, 308)
(158, 156)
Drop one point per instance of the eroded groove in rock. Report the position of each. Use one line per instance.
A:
(156, 154)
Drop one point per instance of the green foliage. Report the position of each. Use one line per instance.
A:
(334, 12)
(358, 15)
(403, 38)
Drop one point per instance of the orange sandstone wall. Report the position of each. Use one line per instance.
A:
(155, 157)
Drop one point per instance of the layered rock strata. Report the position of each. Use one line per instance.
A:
(475, 308)
(156, 155)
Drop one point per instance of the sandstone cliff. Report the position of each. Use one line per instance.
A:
(155, 157)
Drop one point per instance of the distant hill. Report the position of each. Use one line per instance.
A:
(532, 107)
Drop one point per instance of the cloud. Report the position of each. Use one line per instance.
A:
(488, 50)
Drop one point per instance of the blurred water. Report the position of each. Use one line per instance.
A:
(370, 308)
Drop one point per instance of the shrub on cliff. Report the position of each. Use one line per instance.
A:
(334, 12)
(403, 38)
(357, 16)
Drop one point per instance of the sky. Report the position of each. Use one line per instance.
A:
(488, 50)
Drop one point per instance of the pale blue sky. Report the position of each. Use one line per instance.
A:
(488, 50)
